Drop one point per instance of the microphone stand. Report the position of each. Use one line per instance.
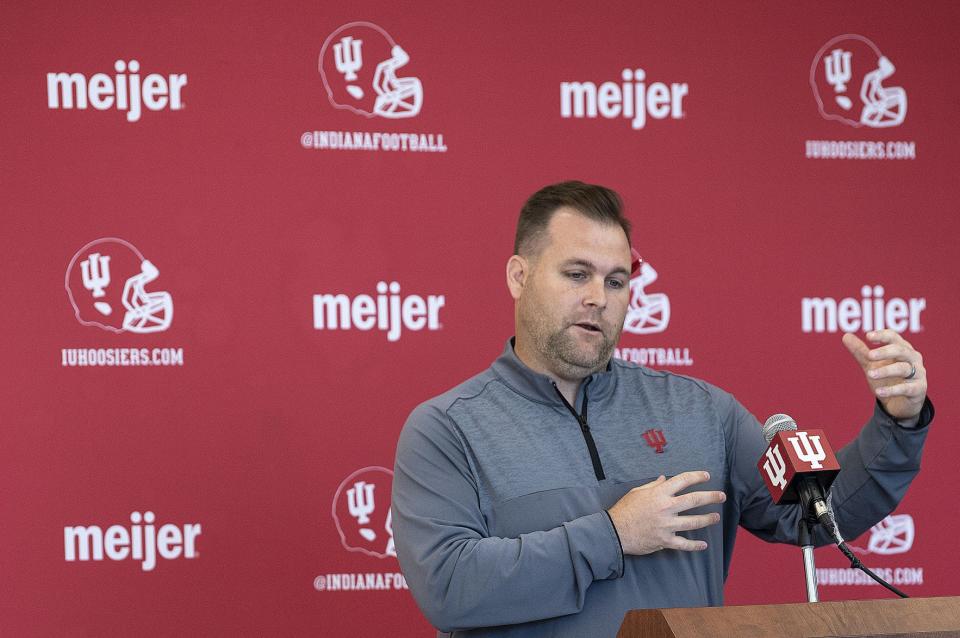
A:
(819, 514)
(805, 540)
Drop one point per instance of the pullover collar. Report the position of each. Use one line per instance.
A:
(539, 387)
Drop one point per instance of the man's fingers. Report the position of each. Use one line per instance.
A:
(685, 544)
(899, 369)
(857, 348)
(684, 480)
(660, 479)
(911, 390)
(884, 336)
(698, 521)
(689, 501)
(896, 351)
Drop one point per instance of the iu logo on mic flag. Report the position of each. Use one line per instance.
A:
(793, 452)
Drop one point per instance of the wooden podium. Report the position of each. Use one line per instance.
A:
(920, 617)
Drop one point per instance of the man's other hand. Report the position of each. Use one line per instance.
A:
(647, 517)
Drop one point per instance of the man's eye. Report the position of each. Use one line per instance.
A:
(615, 283)
(577, 275)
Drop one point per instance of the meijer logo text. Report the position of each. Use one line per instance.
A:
(871, 312)
(125, 91)
(142, 541)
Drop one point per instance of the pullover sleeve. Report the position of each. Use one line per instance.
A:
(876, 469)
(461, 576)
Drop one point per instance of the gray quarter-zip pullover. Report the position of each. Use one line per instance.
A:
(499, 502)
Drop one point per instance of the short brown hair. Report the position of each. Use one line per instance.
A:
(595, 202)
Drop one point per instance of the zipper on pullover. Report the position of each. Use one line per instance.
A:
(585, 430)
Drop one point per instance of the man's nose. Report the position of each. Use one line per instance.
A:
(595, 293)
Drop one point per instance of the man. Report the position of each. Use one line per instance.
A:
(526, 501)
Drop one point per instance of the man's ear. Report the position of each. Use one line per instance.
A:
(518, 269)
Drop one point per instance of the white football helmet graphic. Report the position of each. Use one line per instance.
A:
(892, 535)
(358, 65)
(847, 78)
(106, 283)
(647, 313)
(362, 513)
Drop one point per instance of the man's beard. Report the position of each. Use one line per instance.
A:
(573, 360)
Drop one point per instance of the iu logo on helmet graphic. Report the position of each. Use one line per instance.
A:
(359, 64)
(361, 511)
(848, 76)
(106, 283)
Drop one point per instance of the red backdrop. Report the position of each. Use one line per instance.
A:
(233, 403)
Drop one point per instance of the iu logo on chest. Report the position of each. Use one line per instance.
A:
(656, 439)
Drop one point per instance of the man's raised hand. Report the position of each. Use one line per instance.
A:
(888, 370)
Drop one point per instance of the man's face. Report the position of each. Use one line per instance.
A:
(574, 296)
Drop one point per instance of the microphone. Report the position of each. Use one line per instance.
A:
(799, 466)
